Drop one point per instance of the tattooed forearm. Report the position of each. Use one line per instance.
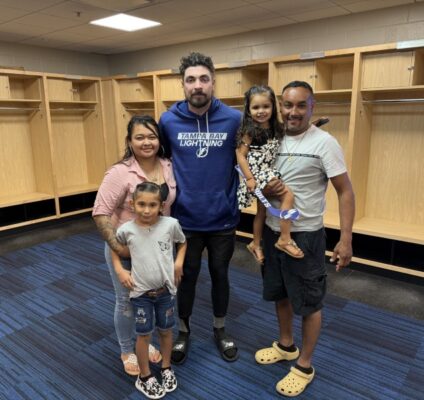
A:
(106, 229)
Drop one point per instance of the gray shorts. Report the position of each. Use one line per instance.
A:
(303, 281)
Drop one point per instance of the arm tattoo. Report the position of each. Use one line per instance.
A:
(108, 232)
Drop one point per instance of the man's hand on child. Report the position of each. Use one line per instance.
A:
(126, 279)
(274, 188)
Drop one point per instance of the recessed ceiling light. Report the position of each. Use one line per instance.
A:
(125, 22)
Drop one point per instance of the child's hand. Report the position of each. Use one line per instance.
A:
(178, 273)
(126, 279)
(251, 185)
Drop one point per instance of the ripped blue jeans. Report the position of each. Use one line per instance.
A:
(151, 311)
(123, 314)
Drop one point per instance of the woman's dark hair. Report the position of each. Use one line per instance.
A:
(148, 122)
(248, 125)
(149, 187)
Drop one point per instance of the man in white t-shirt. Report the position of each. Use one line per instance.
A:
(307, 158)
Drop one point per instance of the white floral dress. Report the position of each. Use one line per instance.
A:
(261, 164)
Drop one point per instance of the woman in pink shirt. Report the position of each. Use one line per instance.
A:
(143, 161)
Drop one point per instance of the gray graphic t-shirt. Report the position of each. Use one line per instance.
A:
(152, 253)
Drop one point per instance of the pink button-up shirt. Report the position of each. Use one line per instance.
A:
(115, 192)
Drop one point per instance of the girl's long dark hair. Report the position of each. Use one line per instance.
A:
(248, 125)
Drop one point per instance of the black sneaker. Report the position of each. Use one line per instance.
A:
(169, 381)
(150, 388)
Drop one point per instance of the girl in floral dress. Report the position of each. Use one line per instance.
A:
(258, 140)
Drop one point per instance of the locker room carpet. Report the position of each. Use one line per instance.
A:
(57, 339)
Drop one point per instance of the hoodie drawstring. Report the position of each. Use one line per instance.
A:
(203, 151)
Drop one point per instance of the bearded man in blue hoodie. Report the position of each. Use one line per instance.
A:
(200, 134)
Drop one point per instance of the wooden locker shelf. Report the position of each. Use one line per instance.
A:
(77, 189)
(324, 75)
(140, 107)
(73, 102)
(20, 101)
(401, 69)
(26, 178)
(31, 221)
(234, 82)
(31, 197)
(170, 88)
(19, 86)
(78, 141)
(340, 95)
(71, 89)
(405, 232)
(136, 89)
(78, 152)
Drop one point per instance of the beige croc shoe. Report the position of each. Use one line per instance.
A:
(271, 355)
(294, 382)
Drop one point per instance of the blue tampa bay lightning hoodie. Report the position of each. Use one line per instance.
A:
(203, 157)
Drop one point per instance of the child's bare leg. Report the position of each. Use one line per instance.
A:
(285, 242)
(142, 351)
(258, 226)
(165, 339)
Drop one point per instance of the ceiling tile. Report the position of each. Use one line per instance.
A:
(50, 21)
(80, 13)
(196, 7)
(343, 2)
(29, 5)
(117, 5)
(368, 5)
(45, 42)
(229, 30)
(371, 2)
(11, 36)
(26, 30)
(65, 36)
(256, 1)
(290, 7)
(242, 15)
(319, 14)
(92, 32)
(165, 13)
(10, 13)
(269, 23)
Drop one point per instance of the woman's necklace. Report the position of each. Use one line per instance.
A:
(154, 176)
(291, 152)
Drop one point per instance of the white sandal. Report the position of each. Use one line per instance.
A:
(154, 354)
(131, 365)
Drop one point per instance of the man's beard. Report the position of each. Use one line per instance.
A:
(198, 100)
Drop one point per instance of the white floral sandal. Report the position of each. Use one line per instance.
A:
(131, 364)
(154, 354)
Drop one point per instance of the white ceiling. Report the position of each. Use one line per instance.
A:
(64, 23)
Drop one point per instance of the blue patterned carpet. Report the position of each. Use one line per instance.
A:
(57, 338)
